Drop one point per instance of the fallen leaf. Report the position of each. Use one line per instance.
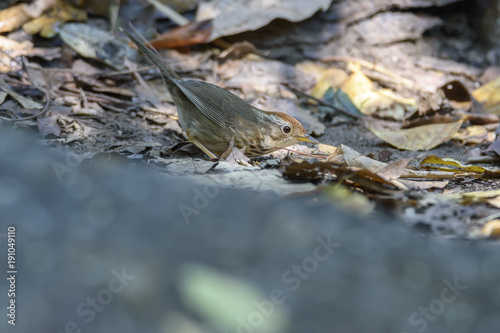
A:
(96, 44)
(328, 149)
(491, 229)
(331, 78)
(391, 27)
(473, 135)
(459, 167)
(394, 169)
(190, 34)
(233, 17)
(48, 24)
(489, 95)
(349, 156)
(48, 125)
(237, 51)
(383, 103)
(234, 155)
(422, 185)
(3, 95)
(491, 197)
(25, 102)
(423, 137)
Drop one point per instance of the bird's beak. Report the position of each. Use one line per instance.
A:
(307, 138)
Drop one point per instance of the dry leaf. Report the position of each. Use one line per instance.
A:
(422, 185)
(48, 25)
(189, 34)
(26, 102)
(384, 103)
(234, 155)
(331, 78)
(233, 17)
(3, 95)
(473, 135)
(48, 125)
(351, 157)
(394, 169)
(491, 229)
(238, 50)
(96, 44)
(458, 166)
(418, 138)
(328, 149)
(489, 95)
(491, 197)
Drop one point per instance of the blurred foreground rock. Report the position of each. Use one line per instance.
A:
(118, 249)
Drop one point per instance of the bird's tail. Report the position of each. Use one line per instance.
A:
(152, 56)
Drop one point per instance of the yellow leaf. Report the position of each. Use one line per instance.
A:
(332, 77)
(489, 94)
(418, 138)
(472, 135)
(491, 197)
(451, 162)
(328, 149)
(491, 229)
(369, 100)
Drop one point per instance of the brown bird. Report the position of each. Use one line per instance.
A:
(212, 116)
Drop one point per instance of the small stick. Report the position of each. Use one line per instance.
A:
(322, 102)
(302, 153)
(41, 113)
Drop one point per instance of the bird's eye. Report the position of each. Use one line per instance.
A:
(286, 129)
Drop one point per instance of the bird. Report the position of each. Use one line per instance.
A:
(212, 116)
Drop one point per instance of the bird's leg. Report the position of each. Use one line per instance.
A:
(200, 145)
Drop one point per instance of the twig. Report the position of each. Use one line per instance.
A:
(170, 13)
(103, 98)
(302, 153)
(41, 113)
(129, 71)
(322, 102)
(488, 218)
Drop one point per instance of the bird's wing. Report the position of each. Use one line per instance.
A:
(219, 105)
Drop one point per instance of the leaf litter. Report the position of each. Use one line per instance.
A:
(106, 101)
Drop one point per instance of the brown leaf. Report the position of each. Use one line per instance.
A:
(13, 17)
(48, 125)
(26, 102)
(473, 135)
(394, 169)
(237, 51)
(189, 34)
(423, 137)
(232, 17)
(234, 155)
(422, 185)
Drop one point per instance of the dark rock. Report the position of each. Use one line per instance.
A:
(73, 238)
